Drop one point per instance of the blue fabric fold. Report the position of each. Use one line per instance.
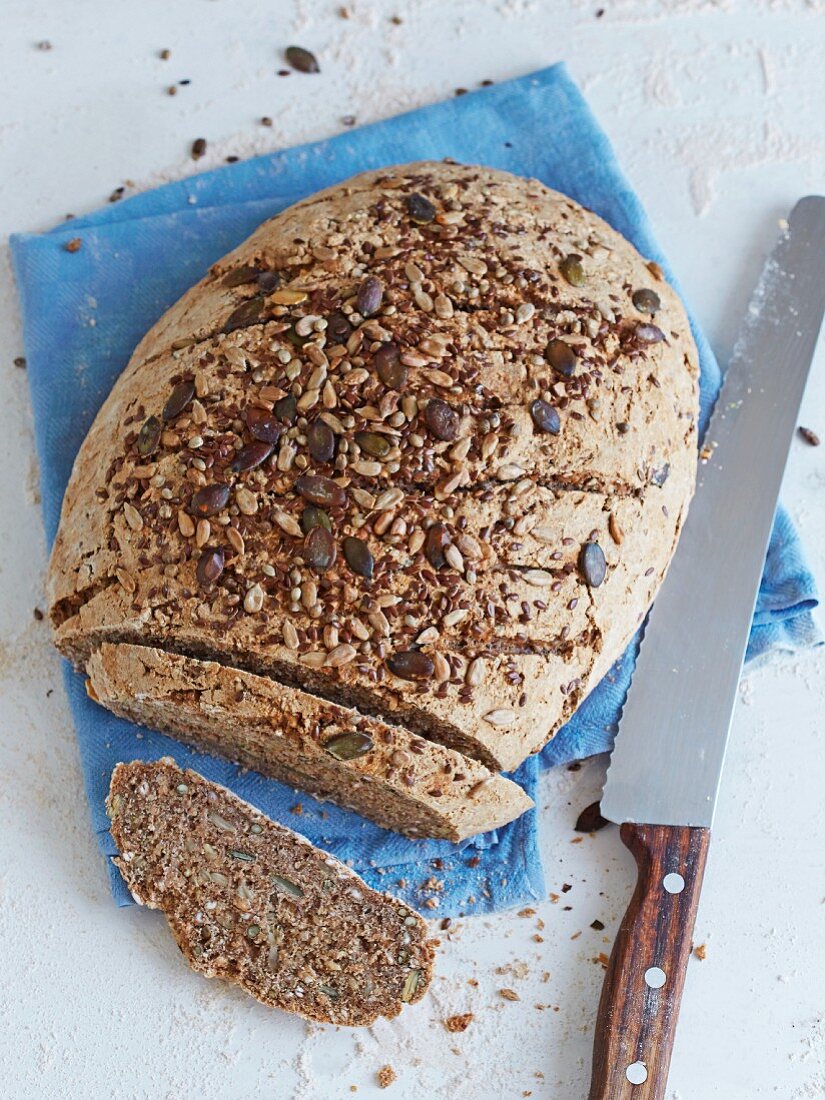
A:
(83, 313)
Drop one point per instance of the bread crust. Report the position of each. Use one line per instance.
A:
(491, 303)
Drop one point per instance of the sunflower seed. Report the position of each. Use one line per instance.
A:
(500, 717)
(287, 523)
(133, 517)
(254, 599)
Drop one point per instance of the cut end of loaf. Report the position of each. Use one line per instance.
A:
(250, 901)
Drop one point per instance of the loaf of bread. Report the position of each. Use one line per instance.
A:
(382, 771)
(252, 902)
(420, 449)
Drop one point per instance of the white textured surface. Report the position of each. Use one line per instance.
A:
(715, 107)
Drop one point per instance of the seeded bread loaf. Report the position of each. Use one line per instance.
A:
(252, 902)
(382, 771)
(420, 447)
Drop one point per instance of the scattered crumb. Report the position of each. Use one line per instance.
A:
(597, 925)
(73, 245)
(526, 912)
(198, 148)
(164, 55)
(460, 1022)
(509, 995)
(701, 952)
(810, 436)
(386, 1076)
(20, 362)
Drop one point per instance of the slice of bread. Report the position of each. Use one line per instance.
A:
(252, 902)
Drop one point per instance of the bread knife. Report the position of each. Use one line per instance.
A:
(664, 772)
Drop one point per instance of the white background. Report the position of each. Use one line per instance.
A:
(716, 109)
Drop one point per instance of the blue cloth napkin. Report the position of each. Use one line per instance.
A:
(84, 312)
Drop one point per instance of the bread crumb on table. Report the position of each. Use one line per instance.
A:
(701, 952)
(459, 1023)
(509, 995)
(386, 1076)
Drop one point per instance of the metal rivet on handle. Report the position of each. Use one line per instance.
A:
(655, 977)
(673, 883)
(636, 1073)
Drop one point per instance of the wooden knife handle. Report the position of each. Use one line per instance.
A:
(636, 1024)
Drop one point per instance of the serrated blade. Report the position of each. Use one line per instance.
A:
(667, 761)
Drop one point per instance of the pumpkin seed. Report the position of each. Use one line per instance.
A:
(210, 565)
(373, 444)
(269, 281)
(572, 270)
(247, 313)
(411, 664)
(358, 557)
(545, 417)
(287, 885)
(561, 357)
(438, 538)
(178, 399)
(322, 491)
(263, 425)
(318, 550)
(389, 368)
(592, 564)
(252, 455)
(238, 276)
(312, 516)
(646, 301)
(442, 419)
(321, 441)
(209, 500)
(302, 60)
(649, 334)
(287, 409)
(421, 210)
(339, 329)
(369, 297)
(660, 476)
(244, 857)
(148, 439)
(349, 746)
